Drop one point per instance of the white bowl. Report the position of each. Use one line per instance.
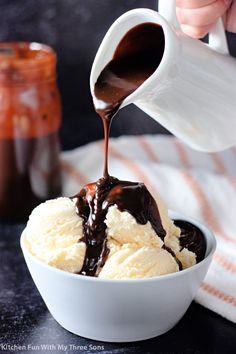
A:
(119, 310)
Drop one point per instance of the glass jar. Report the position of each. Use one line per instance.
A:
(30, 116)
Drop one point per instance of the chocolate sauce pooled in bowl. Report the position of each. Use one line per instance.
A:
(192, 239)
(136, 58)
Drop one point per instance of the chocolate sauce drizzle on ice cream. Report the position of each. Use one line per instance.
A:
(136, 58)
(92, 205)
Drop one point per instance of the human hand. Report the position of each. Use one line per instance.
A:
(197, 17)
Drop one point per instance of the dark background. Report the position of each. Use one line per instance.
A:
(75, 28)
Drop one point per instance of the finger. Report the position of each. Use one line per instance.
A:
(196, 32)
(202, 16)
(231, 18)
(193, 4)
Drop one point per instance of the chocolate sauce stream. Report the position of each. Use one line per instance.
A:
(106, 128)
(136, 58)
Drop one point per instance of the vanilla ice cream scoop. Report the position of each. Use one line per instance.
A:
(136, 251)
(113, 230)
(52, 234)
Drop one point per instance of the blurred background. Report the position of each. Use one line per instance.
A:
(75, 28)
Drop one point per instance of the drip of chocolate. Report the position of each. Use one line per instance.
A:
(168, 249)
(192, 238)
(92, 205)
(136, 58)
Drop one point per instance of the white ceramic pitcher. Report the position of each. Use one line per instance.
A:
(193, 91)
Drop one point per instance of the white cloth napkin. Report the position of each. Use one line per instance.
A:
(200, 185)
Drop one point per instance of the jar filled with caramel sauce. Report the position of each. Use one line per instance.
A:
(30, 116)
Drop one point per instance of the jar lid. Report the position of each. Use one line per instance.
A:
(22, 62)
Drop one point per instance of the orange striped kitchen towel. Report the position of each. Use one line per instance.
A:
(200, 185)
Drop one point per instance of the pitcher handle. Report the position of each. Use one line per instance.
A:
(217, 37)
(167, 9)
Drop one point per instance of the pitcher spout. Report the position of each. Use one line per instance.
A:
(111, 41)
